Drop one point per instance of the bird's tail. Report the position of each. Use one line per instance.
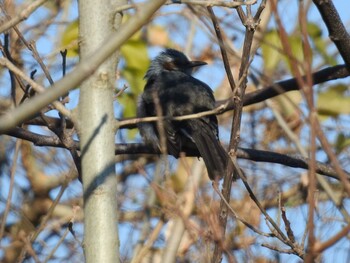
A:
(215, 157)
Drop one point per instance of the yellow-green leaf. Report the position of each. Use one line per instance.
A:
(135, 53)
(334, 101)
(314, 30)
(342, 142)
(271, 50)
(69, 39)
(297, 50)
(320, 44)
(287, 103)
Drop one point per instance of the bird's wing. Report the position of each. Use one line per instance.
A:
(146, 128)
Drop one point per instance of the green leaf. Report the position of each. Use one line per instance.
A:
(271, 50)
(287, 104)
(314, 30)
(136, 64)
(334, 101)
(297, 50)
(273, 54)
(69, 39)
(342, 142)
(320, 43)
(135, 53)
(129, 103)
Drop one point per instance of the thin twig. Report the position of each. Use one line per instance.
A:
(24, 14)
(60, 241)
(279, 234)
(150, 241)
(222, 48)
(221, 3)
(320, 247)
(236, 216)
(120, 92)
(237, 98)
(288, 228)
(38, 88)
(310, 256)
(281, 250)
(133, 121)
(45, 219)
(10, 187)
(161, 131)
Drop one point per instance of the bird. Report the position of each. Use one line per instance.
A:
(169, 79)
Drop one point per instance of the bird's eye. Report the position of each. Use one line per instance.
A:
(169, 65)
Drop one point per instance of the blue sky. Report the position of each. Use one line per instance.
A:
(212, 74)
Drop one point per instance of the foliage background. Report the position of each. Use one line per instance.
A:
(155, 193)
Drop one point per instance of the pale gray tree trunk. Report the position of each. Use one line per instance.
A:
(96, 127)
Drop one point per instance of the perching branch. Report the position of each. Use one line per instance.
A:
(295, 161)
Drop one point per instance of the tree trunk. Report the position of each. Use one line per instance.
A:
(96, 127)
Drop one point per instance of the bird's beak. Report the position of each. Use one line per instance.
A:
(197, 63)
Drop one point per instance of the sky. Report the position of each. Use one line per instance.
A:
(213, 76)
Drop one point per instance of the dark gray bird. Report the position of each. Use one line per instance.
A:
(169, 78)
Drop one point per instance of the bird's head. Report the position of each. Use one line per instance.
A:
(171, 60)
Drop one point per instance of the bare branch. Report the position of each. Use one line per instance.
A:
(287, 225)
(24, 14)
(222, 48)
(237, 97)
(221, 3)
(11, 186)
(337, 31)
(38, 88)
(320, 247)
